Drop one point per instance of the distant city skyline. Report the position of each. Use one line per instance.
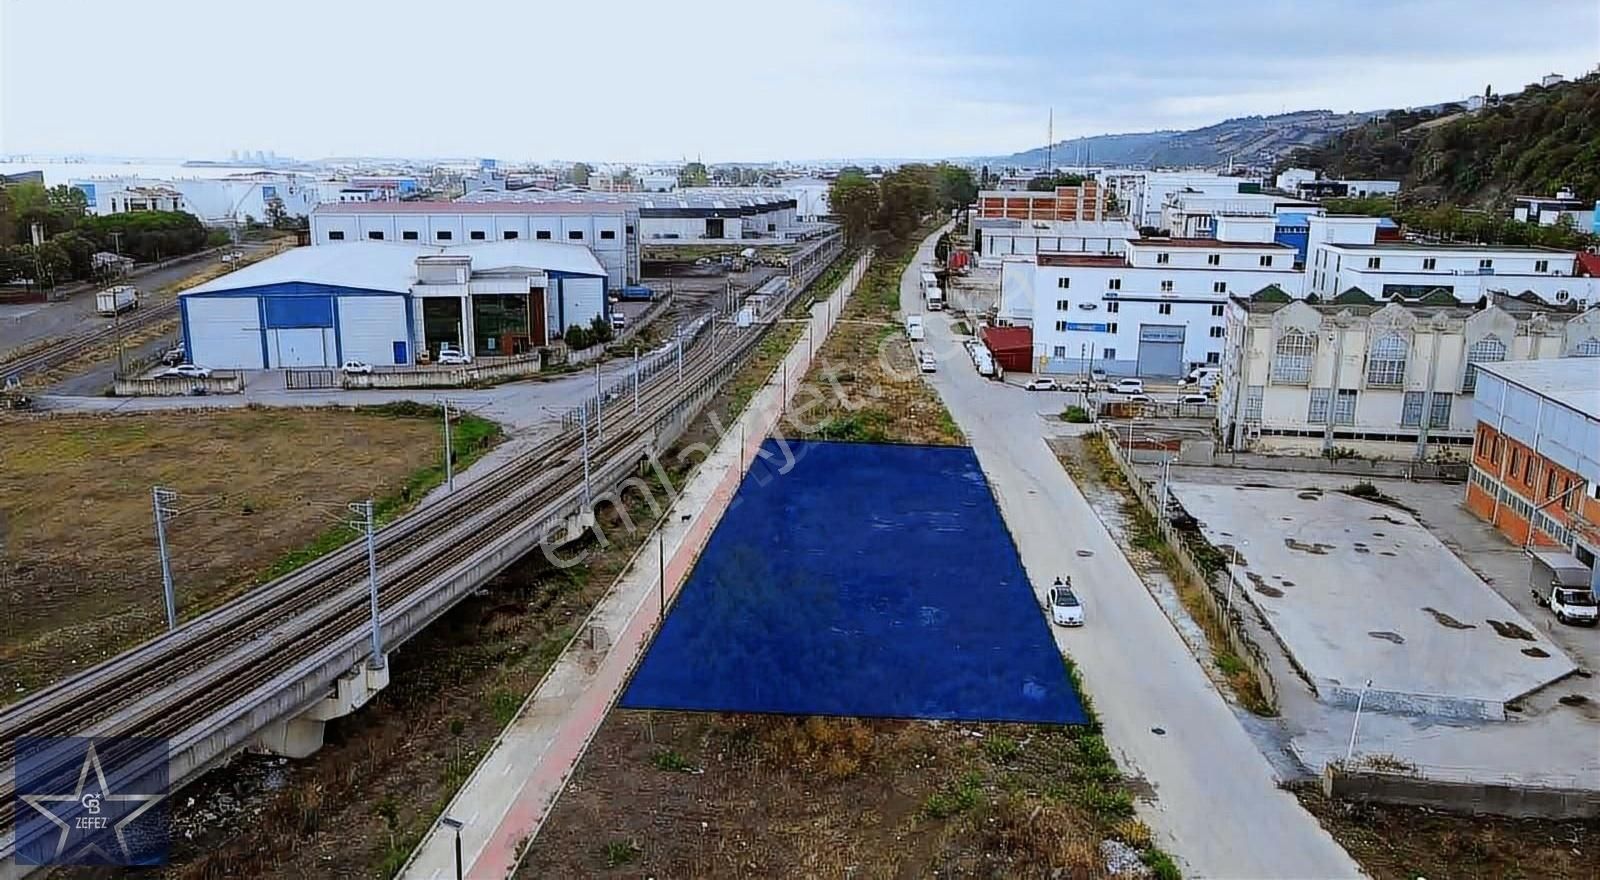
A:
(732, 82)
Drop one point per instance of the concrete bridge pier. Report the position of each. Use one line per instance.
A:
(301, 736)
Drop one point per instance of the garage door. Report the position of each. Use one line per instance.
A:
(301, 347)
(1161, 350)
(584, 299)
(372, 329)
(224, 332)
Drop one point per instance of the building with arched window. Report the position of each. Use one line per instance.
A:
(1392, 380)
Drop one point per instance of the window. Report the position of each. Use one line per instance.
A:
(1317, 406)
(1541, 265)
(1111, 327)
(1488, 350)
(336, 235)
(1439, 417)
(1062, 305)
(1213, 357)
(1429, 263)
(1374, 262)
(1267, 261)
(509, 235)
(1411, 410)
(1109, 354)
(1386, 361)
(1163, 258)
(1516, 461)
(443, 235)
(1113, 307)
(476, 235)
(1252, 401)
(542, 235)
(1114, 284)
(1063, 283)
(1485, 264)
(1213, 259)
(1216, 332)
(375, 235)
(1344, 407)
(409, 235)
(1550, 484)
(1061, 326)
(1529, 468)
(1060, 351)
(1166, 287)
(1164, 308)
(1216, 310)
(628, 229)
(1291, 361)
(1219, 287)
(608, 234)
(575, 234)
(1587, 349)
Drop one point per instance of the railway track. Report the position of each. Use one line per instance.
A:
(67, 350)
(206, 670)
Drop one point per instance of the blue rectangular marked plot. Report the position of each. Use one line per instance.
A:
(868, 580)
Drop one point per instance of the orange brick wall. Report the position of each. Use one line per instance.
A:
(1062, 205)
(1535, 478)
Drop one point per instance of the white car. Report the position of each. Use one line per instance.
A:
(357, 368)
(1194, 399)
(1043, 383)
(619, 321)
(450, 357)
(1129, 386)
(1065, 607)
(1140, 398)
(927, 363)
(188, 371)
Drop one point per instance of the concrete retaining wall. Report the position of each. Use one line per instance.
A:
(446, 377)
(1404, 703)
(1450, 471)
(1495, 799)
(177, 386)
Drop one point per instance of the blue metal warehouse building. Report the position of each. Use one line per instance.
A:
(384, 302)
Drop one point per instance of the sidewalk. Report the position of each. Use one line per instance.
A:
(508, 796)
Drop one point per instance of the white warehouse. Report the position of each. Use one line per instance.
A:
(384, 303)
(610, 230)
(1157, 310)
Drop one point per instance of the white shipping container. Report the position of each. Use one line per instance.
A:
(117, 299)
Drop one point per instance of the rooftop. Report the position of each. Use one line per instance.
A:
(1450, 246)
(1047, 258)
(391, 265)
(694, 198)
(1206, 243)
(568, 206)
(1572, 382)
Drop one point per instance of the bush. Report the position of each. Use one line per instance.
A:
(1364, 489)
(1077, 415)
(577, 338)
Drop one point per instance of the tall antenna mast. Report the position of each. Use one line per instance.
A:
(1050, 143)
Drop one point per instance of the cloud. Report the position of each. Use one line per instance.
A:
(727, 80)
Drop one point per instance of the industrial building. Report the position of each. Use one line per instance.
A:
(1155, 311)
(1536, 457)
(227, 200)
(697, 215)
(1086, 201)
(609, 229)
(1141, 194)
(1346, 252)
(1000, 237)
(384, 303)
(1194, 215)
(1564, 206)
(1390, 380)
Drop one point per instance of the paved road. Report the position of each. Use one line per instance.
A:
(22, 324)
(1216, 806)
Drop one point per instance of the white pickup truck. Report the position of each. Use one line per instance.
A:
(1560, 583)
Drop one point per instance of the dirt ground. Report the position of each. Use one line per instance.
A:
(79, 570)
(1404, 843)
(673, 794)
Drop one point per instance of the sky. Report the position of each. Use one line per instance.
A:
(731, 80)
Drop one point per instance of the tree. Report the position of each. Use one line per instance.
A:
(277, 214)
(47, 264)
(956, 186)
(147, 235)
(855, 199)
(693, 174)
(1049, 182)
(68, 200)
(579, 173)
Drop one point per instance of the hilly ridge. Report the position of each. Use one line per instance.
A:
(1254, 140)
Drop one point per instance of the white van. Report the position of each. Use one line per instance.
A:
(1201, 377)
(914, 328)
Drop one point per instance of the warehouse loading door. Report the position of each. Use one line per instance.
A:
(1161, 349)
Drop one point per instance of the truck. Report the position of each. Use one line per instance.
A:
(1560, 583)
(914, 328)
(638, 292)
(928, 280)
(934, 298)
(115, 300)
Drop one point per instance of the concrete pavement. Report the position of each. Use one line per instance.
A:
(1216, 805)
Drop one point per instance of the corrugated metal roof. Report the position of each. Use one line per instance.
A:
(391, 266)
(715, 198)
(474, 206)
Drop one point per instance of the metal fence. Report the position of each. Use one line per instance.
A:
(308, 379)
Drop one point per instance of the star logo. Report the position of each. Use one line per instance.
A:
(91, 823)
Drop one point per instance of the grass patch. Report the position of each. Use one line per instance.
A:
(955, 799)
(621, 852)
(1075, 414)
(672, 761)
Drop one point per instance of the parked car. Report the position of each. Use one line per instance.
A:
(1042, 383)
(1066, 609)
(1140, 398)
(174, 355)
(927, 362)
(619, 321)
(1201, 377)
(188, 371)
(357, 368)
(1098, 375)
(450, 357)
(1129, 386)
(1194, 399)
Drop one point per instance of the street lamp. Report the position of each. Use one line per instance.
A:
(1232, 578)
(454, 825)
(1361, 700)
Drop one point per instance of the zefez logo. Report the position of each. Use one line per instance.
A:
(91, 800)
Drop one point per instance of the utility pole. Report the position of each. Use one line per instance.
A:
(449, 454)
(162, 500)
(680, 357)
(661, 562)
(599, 431)
(636, 380)
(583, 426)
(363, 523)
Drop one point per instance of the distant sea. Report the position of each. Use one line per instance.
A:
(61, 172)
